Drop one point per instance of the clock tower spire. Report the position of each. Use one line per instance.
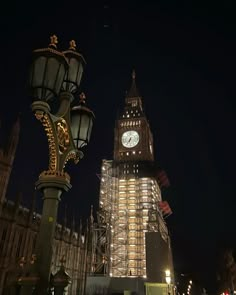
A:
(133, 137)
(133, 92)
(133, 97)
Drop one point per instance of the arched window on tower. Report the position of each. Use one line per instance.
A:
(19, 244)
(3, 239)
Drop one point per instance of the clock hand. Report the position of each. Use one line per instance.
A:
(129, 139)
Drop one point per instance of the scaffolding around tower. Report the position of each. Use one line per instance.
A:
(128, 209)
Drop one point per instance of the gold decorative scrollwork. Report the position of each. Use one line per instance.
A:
(58, 139)
(72, 156)
(53, 173)
(44, 118)
(62, 135)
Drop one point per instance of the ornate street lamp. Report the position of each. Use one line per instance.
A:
(55, 76)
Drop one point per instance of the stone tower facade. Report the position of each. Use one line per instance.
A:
(7, 156)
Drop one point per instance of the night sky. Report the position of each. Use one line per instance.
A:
(184, 57)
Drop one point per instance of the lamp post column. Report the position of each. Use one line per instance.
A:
(52, 187)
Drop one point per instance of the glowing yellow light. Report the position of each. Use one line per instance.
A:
(167, 272)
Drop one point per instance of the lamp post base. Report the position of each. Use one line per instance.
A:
(52, 184)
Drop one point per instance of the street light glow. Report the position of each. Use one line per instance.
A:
(167, 273)
(168, 277)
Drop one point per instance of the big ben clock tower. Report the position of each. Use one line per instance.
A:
(133, 137)
(128, 203)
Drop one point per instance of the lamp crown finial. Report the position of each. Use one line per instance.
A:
(72, 45)
(53, 41)
(82, 97)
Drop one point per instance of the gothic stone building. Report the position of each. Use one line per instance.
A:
(18, 231)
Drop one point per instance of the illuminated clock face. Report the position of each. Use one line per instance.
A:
(130, 139)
